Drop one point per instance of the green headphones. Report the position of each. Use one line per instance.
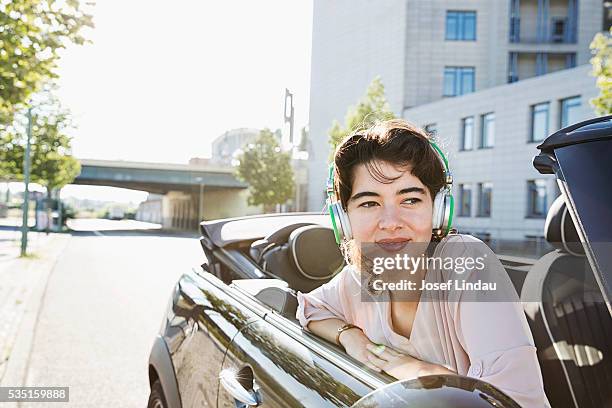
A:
(443, 206)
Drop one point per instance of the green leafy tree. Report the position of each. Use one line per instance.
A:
(11, 156)
(33, 31)
(371, 108)
(52, 164)
(601, 48)
(267, 170)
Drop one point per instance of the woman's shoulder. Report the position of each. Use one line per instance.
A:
(459, 244)
(456, 237)
(348, 275)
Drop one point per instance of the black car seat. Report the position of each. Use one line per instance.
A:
(570, 322)
(310, 258)
(277, 238)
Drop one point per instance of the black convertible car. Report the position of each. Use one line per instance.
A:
(230, 337)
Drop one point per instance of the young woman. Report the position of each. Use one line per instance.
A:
(386, 180)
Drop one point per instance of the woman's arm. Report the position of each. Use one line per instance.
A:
(354, 341)
(402, 366)
(326, 309)
(328, 329)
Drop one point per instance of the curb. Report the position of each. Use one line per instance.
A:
(17, 366)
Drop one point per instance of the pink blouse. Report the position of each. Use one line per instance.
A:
(486, 340)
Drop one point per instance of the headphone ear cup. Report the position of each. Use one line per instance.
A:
(342, 221)
(438, 211)
(346, 224)
(445, 213)
(335, 220)
(449, 212)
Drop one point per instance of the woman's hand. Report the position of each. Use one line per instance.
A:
(355, 343)
(401, 366)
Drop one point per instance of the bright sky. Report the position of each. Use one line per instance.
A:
(161, 80)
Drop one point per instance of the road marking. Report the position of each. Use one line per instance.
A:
(98, 233)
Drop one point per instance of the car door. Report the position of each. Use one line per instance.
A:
(291, 368)
(203, 324)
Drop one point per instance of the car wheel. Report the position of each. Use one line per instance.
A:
(157, 398)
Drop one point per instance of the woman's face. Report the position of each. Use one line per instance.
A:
(389, 214)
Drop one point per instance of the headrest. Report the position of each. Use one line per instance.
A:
(315, 253)
(278, 237)
(560, 230)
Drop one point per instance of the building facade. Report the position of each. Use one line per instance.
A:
(488, 62)
(490, 139)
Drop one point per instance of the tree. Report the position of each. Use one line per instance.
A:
(32, 33)
(267, 170)
(601, 48)
(11, 156)
(371, 108)
(52, 164)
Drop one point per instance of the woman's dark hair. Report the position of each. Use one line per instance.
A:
(394, 141)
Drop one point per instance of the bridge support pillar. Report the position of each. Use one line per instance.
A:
(178, 211)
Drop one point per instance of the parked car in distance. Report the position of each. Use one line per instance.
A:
(116, 213)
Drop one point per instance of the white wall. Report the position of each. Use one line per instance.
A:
(353, 42)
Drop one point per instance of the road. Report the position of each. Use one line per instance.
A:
(102, 308)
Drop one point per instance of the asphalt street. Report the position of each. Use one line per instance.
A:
(102, 308)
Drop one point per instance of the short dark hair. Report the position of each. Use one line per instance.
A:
(394, 141)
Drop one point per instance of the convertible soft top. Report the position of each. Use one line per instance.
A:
(227, 231)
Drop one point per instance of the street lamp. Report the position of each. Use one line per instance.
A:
(26, 193)
(200, 200)
(289, 113)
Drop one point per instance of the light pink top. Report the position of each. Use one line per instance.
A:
(486, 340)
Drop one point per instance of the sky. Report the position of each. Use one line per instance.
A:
(161, 80)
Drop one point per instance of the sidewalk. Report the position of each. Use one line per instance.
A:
(22, 284)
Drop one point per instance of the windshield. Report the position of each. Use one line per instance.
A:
(587, 172)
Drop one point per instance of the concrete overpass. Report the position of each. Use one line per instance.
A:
(189, 193)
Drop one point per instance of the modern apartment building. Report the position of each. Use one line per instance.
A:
(490, 139)
(445, 61)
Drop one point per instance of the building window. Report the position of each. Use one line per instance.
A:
(607, 16)
(570, 111)
(458, 80)
(487, 130)
(465, 200)
(558, 29)
(467, 133)
(431, 129)
(539, 122)
(461, 25)
(536, 198)
(485, 195)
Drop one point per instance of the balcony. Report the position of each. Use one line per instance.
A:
(527, 64)
(543, 21)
